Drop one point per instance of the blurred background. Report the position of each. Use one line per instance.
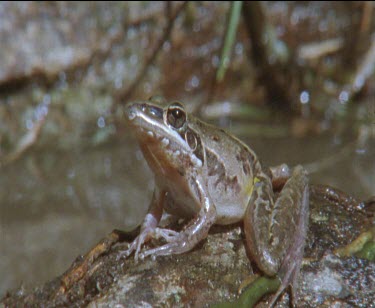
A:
(294, 80)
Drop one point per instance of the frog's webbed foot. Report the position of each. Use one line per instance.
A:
(180, 242)
(136, 245)
(177, 243)
(167, 234)
(289, 272)
(147, 234)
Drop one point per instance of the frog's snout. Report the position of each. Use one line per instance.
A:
(131, 111)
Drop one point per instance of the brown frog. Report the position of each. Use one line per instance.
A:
(208, 176)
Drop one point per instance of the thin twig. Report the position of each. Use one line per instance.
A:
(313, 51)
(123, 95)
(78, 271)
(29, 139)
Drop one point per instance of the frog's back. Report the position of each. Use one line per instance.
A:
(229, 166)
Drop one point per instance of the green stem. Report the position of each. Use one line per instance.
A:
(230, 35)
(256, 290)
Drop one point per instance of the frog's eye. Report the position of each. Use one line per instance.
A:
(176, 115)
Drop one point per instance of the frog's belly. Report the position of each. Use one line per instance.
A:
(225, 213)
(230, 204)
(183, 201)
(229, 213)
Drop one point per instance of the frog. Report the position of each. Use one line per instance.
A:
(208, 176)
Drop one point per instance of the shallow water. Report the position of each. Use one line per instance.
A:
(55, 205)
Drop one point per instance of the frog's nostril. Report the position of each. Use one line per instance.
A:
(130, 112)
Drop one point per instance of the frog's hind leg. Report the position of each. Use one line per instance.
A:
(276, 230)
(291, 264)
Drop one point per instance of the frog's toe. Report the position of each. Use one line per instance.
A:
(289, 279)
(166, 234)
(123, 254)
(164, 250)
(134, 246)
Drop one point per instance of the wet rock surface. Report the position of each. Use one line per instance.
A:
(213, 272)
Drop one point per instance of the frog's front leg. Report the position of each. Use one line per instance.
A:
(195, 231)
(276, 230)
(149, 224)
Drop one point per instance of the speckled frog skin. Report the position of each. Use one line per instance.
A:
(208, 176)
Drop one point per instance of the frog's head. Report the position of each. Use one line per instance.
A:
(165, 136)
